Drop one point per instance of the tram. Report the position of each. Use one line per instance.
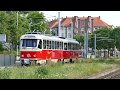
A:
(41, 48)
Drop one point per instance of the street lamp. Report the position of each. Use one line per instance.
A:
(17, 38)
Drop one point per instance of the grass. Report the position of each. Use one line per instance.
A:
(59, 71)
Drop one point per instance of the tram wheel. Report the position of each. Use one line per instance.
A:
(59, 60)
(63, 61)
(71, 61)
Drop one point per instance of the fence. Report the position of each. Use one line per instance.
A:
(7, 60)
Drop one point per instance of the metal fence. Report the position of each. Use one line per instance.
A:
(7, 60)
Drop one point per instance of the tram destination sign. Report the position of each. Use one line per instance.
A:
(2, 37)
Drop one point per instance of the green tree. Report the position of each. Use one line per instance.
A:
(8, 26)
(79, 38)
(115, 34)
(37, 20)
(103, 38)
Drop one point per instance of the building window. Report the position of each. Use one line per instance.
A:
(62, 34)
(69, 28)
(69, 35)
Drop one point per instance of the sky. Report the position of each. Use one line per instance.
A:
(110, 17)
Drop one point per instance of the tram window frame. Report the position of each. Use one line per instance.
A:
(72, 46)
(60, 45)
(53, 44)
(40, 44)
(44, 44)
(48, 44)
(65, 46)
(57, 47)
(69, 46)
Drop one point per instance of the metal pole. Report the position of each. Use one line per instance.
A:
(95, 45)
(59, 34)
(86, 35)
(17, 35)
(115, 51)
(86, 43)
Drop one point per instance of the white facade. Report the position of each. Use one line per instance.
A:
(65, 32)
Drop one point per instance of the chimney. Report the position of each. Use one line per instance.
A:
(66, 16)
(75, 24)
(99, 17)
(79, 30)
(92, 20)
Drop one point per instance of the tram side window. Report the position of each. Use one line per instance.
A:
(53, 45)
(44, 44)
(69, 45)
(65, 46)
(72, 48)
(40, 44)
(75, 46)
(50, 45)
(57, 45)
(60, 45)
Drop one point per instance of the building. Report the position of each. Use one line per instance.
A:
(77, 25)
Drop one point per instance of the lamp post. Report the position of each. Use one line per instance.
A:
(95, 45)
(17, 36)
(59, 32)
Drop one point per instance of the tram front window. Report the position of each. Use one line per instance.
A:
(29, 43)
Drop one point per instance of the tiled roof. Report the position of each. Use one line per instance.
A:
(98, 22)
(53, 23)
(67, 21)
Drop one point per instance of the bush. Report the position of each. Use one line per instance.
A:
(41, 72)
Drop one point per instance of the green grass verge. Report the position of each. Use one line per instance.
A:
(59, 71)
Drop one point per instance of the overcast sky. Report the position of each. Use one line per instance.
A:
(110, 17)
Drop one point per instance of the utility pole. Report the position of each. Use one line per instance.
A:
(95, 45)
(86, 38)
(59, 33)
(17, 35)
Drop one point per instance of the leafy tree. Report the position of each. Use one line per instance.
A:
(37, 20)
(115, 34)
(103, 38)
(79, 38)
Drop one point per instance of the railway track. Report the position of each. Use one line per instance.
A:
(112, 75)
(109, 74)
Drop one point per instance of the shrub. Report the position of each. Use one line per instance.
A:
(41, 72)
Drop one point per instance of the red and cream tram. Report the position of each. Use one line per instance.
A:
(41, 48)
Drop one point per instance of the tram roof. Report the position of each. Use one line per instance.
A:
(46, 37)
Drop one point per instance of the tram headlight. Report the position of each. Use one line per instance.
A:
(22, 55)
(34, 55)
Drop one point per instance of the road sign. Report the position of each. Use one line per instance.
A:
(2, 37)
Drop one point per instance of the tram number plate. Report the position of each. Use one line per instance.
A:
(26, 61)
